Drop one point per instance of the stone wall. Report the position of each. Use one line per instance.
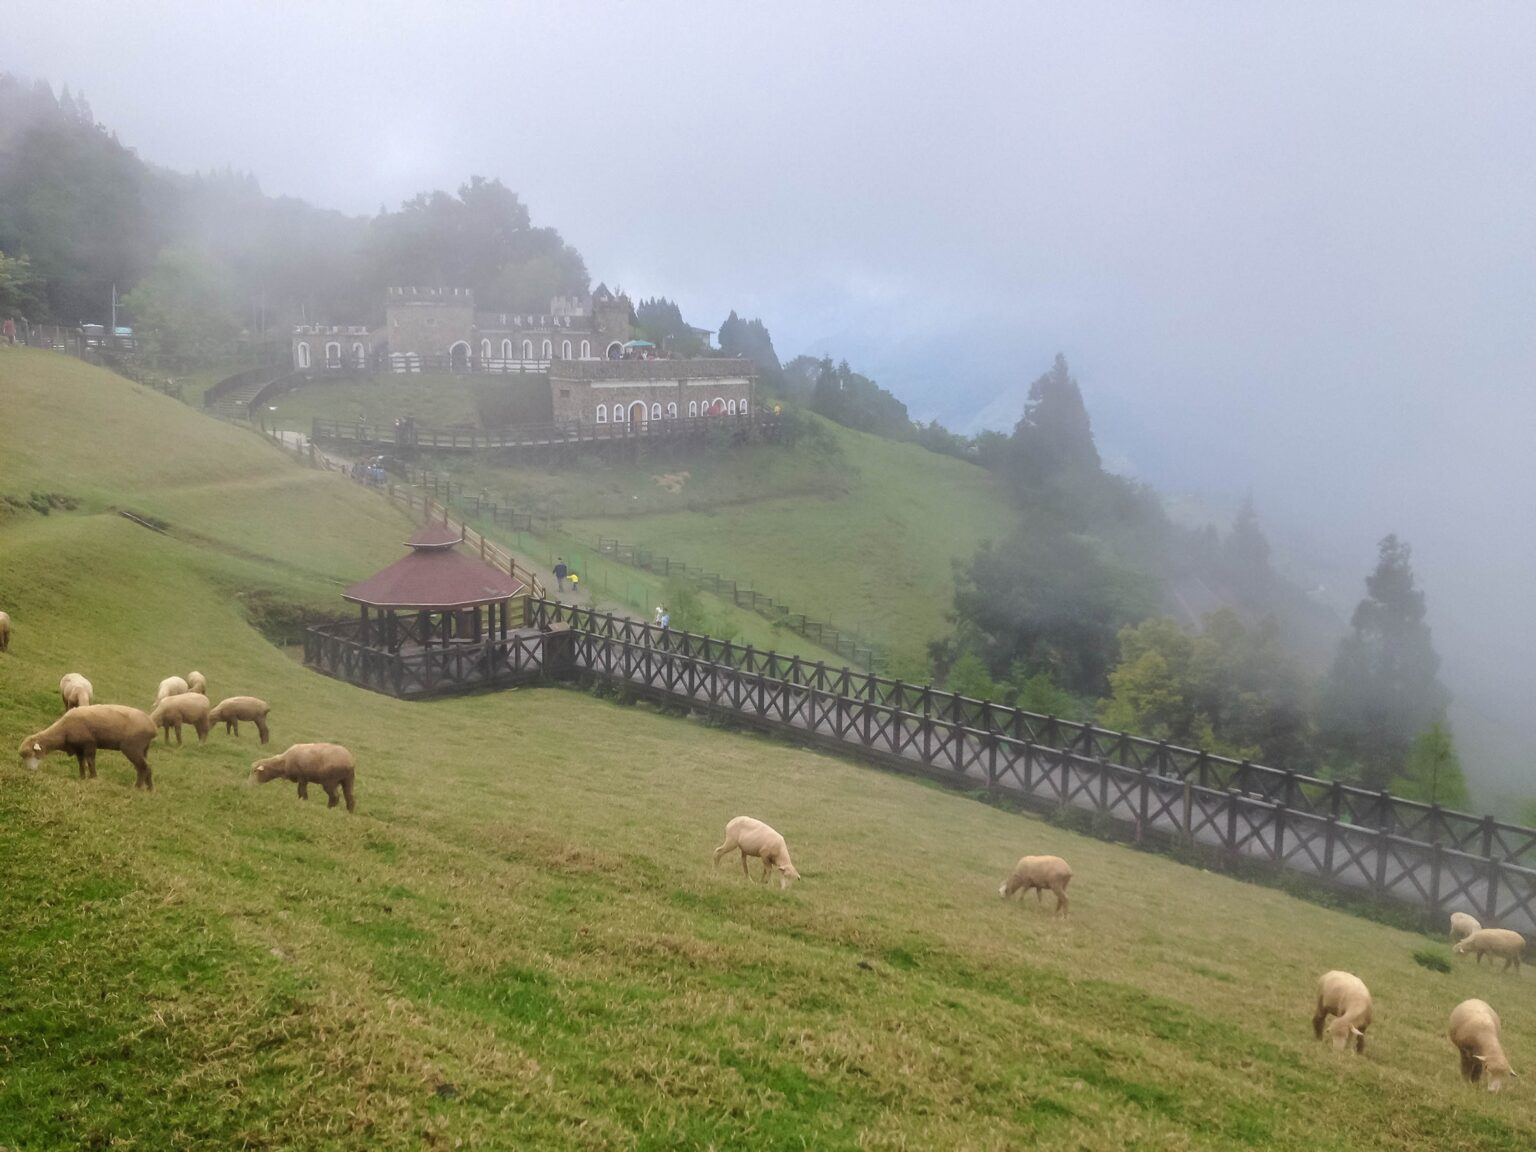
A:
(429, 321)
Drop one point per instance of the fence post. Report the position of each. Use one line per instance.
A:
(1142, 802)
(1330, 834)
(1230, 847)
(1381, 861)
(1490, 909)
(1437, 860)
(1189, 803)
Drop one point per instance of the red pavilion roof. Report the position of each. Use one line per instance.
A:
(434, 575)
(434, 536)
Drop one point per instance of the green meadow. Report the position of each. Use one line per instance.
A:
(518, 941)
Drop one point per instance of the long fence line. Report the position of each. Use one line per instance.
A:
(844, 641)
(408, 435)
(1335, 833)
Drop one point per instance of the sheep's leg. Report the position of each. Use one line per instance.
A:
(722, 850)
(261, 728)
(231, 727)
(80, 758)
(346, 791)
(744, 871)
(202, 732)
(90, 760)
(143, 778)
(1039, 895)
(303, 789)
(1360, 1044)
(767, 868)
(330, 794)
(1319, 1018)
(1061, 901)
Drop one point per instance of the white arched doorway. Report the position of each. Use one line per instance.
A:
(615, 351)
(301, 354)
(333, 354)
(458, 356)
(359, 355)
(639, 416)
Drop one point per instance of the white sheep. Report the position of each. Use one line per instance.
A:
(1344, 996)
(183, 708)
(1040, 873)
(234, 709)
(754, 838)
(197, 682)
(75, 690)
(1498, 942)
(328, 765)
(5, 632)
(1474, 1029)
(1462, 925)
(170, 686)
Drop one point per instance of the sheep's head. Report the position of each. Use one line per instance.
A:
(1342, 1034)
(1460, 949)
(264, 770)
(1497, 1069)
(31, 753)
(787, 875)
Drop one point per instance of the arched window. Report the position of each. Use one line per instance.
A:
(303, 354)
(717, 406)
(485, 350)
(360, 354)
(730, 407)
(672, 411)
(602, 413)
(506, 349)
(332, 354)
(615, 351)
(586, 349)
(618, 413)
(549, 349)
(693, 408)
(565, 350)
(527, 349)
(655, 411)
(743, 408)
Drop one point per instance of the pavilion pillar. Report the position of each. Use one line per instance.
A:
(389, 632)
(363, 610)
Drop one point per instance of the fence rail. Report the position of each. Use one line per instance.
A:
(409, 436)
(1423, 854)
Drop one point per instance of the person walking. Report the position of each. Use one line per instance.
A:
(561, 571)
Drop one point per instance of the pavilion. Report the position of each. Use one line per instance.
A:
(436, 597)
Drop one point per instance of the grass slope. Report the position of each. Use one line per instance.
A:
(517, 940)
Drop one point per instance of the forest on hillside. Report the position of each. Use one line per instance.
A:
(1079, 605)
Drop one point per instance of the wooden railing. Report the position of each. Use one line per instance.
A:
(420, 672)
(1335, 832)
(534, 435)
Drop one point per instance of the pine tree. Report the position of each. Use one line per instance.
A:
(1052, 454)
(1383, 689)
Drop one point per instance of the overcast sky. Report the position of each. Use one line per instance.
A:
(1286, 247)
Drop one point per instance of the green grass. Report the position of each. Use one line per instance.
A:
(864, 535)
(436, 399)
(518, 942)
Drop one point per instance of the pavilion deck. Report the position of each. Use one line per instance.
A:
(412, 670)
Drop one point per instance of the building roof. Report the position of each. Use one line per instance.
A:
(435, 575)
(434, 535)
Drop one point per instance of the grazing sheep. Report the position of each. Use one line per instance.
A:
(1345, 997)
(234, 709)
(170, 686)
(1474, 1029)
(183, 708)
(197, 682)
(1462, 925)
(75, 690)
(81, 731)
(328, 765)
(1499, 942)
(1040, 873)
(754, 838)
(5, 632)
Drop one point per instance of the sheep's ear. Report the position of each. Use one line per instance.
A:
(36, 747)
(1479, 1059)
(1356, 1031)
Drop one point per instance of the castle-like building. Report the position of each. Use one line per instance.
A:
(584, 346)
(435, 329)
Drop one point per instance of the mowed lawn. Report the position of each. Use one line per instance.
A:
(518, 941)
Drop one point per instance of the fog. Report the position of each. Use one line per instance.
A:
(1287, 248)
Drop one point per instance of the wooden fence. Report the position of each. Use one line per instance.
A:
(540, 436)
(417, 672)
(1435, 858)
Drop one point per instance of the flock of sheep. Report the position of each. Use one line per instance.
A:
(86, 728)
(1344, 1006)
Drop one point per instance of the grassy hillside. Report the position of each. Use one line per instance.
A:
(518, 942)
(849, 528)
